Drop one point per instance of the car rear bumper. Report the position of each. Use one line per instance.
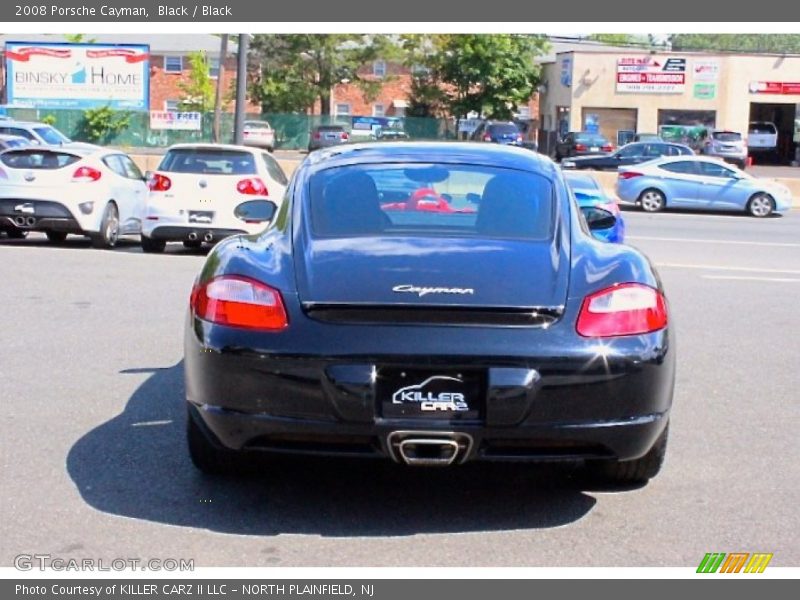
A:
(37, 215)
(568, 405)
(179, 233)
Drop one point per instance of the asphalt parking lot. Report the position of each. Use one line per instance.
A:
(94, 464)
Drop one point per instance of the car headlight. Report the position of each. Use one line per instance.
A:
(86, 207)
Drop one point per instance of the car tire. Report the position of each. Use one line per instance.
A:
(206, 455)
(108, 236)
(760, 205)
(16, 234)
(56, 237)
(192, 244)
(628, 472)
(652, 200)
(151, 246)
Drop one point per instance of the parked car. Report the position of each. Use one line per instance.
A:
(582, 143)
(647, 137)
(498, 132)
(701, 183)
(34, 132)
(727, 145)
(762, 138)
(596, 205)
(629, 154)
(206, 192)
(323, 136)
(259, 134)
(430, 338)
(67, 189)
(12, 141)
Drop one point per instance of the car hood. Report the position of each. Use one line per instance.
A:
(432, 271)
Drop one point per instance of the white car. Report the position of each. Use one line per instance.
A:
(71, 189)
(258, 134)
(206, 192)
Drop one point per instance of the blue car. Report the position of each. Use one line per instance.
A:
(592, 199)
(703, 183)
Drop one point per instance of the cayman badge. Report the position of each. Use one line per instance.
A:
(424, 290)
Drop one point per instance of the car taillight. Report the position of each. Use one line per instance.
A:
(159, 183)
(580, 147)
(317, 135)
(629, 174)
(239, 302)
(626, 309)
(344, 136)
(487, 138)
(519, 137)
(608, 148)
(86, 174)
(252, 186)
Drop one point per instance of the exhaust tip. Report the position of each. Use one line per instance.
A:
(208, 237)
(19, 221)
(193, 236)
(429, 448)
(30, 221)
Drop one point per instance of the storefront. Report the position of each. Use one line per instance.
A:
(676, 94)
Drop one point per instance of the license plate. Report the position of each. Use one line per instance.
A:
(430, 394)
(594, 148)
(331, 136)
(201, 216)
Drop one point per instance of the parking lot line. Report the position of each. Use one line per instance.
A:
(745, 278)
(728, 268)
(705, 241)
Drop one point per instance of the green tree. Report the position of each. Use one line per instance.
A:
(102, 124)
(296, 70)
(199, 90)
(730, 42)
(488, 74)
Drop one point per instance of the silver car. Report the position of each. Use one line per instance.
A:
(728, 145)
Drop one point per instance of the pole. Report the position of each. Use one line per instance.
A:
(241, 88)
(223, 52)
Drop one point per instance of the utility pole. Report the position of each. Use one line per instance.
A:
(241, 88)
(223, 53)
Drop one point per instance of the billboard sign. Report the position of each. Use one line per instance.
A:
(176, 121)
(775, 87)
(80, 76)
(651, 75)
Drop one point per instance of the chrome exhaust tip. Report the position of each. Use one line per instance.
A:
(30, 221)
(19, 221)
(193, 236)
(208, 237)
(429, 448)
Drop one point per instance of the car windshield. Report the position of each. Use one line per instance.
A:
(503, 128)
(424, 200)
(762, 128)
(37, 159)
(51, 136)
(727, 136)
(209, 162)
(591, 138)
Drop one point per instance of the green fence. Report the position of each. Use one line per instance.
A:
(291, 130)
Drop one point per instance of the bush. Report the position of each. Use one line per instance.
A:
(103, 124)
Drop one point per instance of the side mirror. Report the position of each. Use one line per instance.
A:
(598, 219)
(473, 198)
(256, 211)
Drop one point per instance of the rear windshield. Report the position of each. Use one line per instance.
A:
(51, 136)
(762, 128)
(208, 162)
(257, 125)
(431, 200)
(37, 159)
(590, 138)
(336, 128)
(727, 136)
(503, 128)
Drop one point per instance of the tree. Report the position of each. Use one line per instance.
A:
(728, 42)
(484, 73)
(297, 70)
(199, 89)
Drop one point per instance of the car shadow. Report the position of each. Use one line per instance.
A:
(136, 465)
(625, 207)
(127, 244)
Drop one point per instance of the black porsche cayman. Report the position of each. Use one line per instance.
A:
(431, 303)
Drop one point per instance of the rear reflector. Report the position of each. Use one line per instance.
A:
(627, 309)
(629, 174)
(86, 175)
(238, 301)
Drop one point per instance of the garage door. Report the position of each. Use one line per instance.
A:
(610, 120)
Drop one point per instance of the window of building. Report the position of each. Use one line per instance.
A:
(524, 112)
(378, 110)
(213, 66)
(171, 105)
(343, 110)
(379, 68)
(173, 64)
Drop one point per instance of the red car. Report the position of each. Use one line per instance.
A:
(427, 200)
